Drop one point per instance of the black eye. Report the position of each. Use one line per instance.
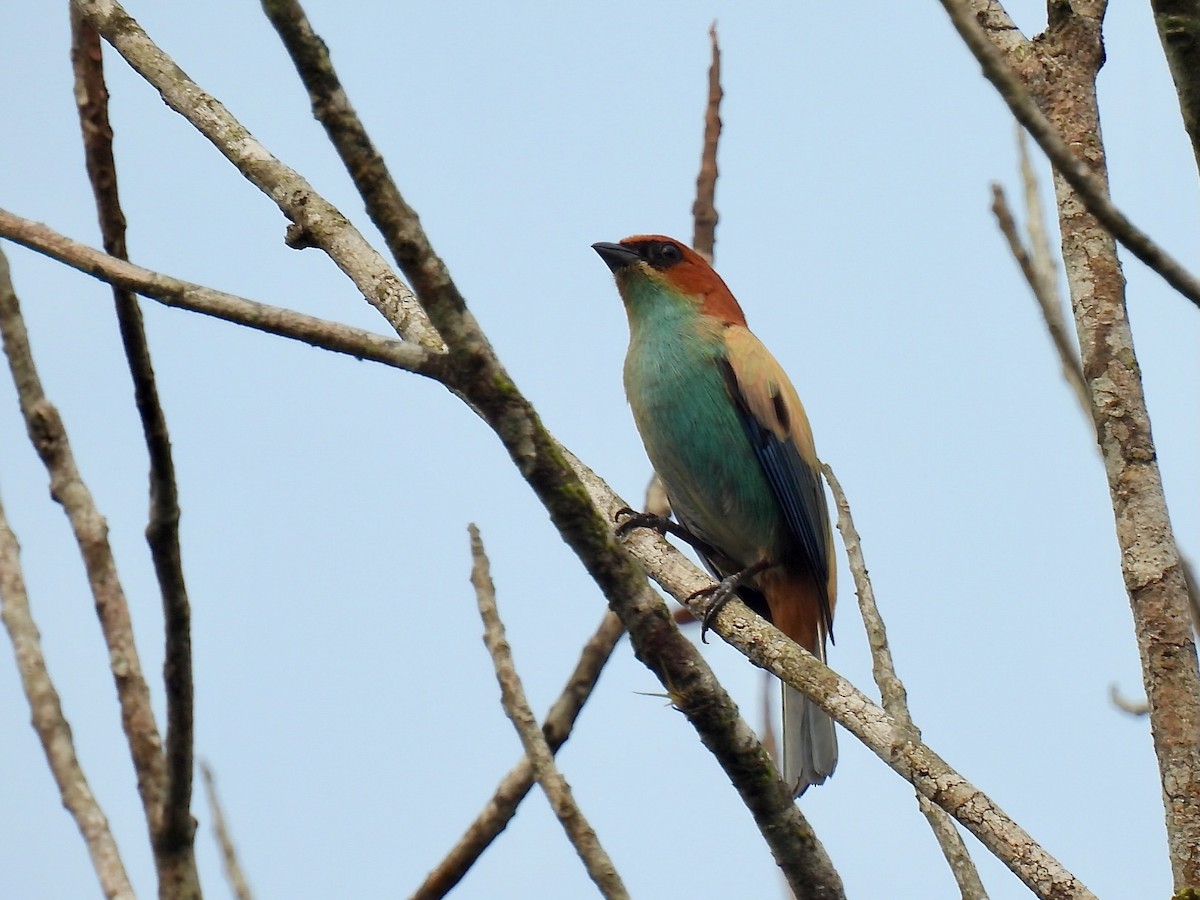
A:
(665, 255)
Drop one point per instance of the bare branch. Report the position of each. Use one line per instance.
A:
(512, 694)
(194, 297)
(512, 789)
(175, 839)
(47, 715)
(1091, 190)
(318, 221)
(704, 210)
(1178, 23)
(91, 533)
(229, 858)
(895, 698)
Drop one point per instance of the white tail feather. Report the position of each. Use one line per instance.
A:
(809, 742)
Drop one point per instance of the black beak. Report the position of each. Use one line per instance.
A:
(616, 256)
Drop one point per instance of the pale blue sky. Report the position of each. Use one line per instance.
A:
(345, 699)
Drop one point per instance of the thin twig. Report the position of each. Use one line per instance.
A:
(175, 838)
(1047, 300)
(170, 291)
(49, 438)
(597, 862)
(1193, 589)
(229, 857)
(895, 698)
(513, 788)
(1091, 190)
(657, 501)
(1046, 275)
(704, 210)
(1044, 267)
(48, 720)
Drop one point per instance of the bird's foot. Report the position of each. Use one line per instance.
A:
(722, 592)
(661, 524)
(634, 520)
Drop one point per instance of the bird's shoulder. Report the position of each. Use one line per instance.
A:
(764, 389)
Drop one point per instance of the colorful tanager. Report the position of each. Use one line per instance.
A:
(726, 433)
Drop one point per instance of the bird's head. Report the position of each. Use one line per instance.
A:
(650, 265)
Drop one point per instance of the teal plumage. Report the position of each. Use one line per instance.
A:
(729, 438)
(694, 434)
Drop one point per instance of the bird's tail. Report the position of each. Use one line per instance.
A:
(809, 743)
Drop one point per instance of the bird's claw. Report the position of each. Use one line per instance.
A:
(636, 520)
(722, 592)
(718, 595)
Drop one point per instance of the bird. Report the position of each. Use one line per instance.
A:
(726, 432)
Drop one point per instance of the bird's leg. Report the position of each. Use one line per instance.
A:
(724, 591)
(661, 524)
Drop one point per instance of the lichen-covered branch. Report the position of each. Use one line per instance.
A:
(1038, 268)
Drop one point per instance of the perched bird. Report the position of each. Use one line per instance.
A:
(726, 433)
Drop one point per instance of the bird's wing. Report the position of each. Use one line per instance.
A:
(778, 430)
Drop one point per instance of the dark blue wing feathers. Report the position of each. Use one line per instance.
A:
(797, 486)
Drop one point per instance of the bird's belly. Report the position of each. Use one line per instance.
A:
(697, 444)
